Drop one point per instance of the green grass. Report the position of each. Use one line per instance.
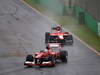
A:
(71, 23)
(83, 32)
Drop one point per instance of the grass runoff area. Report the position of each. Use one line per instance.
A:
(70, 23)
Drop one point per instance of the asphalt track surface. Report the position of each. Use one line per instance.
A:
(22, 32)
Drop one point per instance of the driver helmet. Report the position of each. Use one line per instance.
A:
(58, 28)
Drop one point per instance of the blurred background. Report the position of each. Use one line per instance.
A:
(87, 12)
(80, 17)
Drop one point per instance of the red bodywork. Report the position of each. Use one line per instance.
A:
(43, 54)
(60, 34)
(59, 31)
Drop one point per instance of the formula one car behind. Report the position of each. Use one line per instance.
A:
(46, 58)
(60, 37)
(65, 38)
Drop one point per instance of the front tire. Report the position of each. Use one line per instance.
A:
(64, 56)
(30, 59)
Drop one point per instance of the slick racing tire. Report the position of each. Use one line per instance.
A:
(53, 61)
(47, 34)
(29, 58)
(64, 56)
(71, 38)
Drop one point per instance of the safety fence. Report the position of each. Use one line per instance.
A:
(85, 18)
(91, 11)
(60, 7)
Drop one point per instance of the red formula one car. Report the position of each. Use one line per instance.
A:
(65, 38)
(46, 58)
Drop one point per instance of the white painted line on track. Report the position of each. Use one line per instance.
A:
(91, 48)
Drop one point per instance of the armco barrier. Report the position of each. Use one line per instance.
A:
(89, 20)
(91, 23)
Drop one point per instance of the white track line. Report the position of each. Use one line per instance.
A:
(91, 48)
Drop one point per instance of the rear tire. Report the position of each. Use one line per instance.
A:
(69, 38)
(64, 56)
(47, 34)
(53, 61)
